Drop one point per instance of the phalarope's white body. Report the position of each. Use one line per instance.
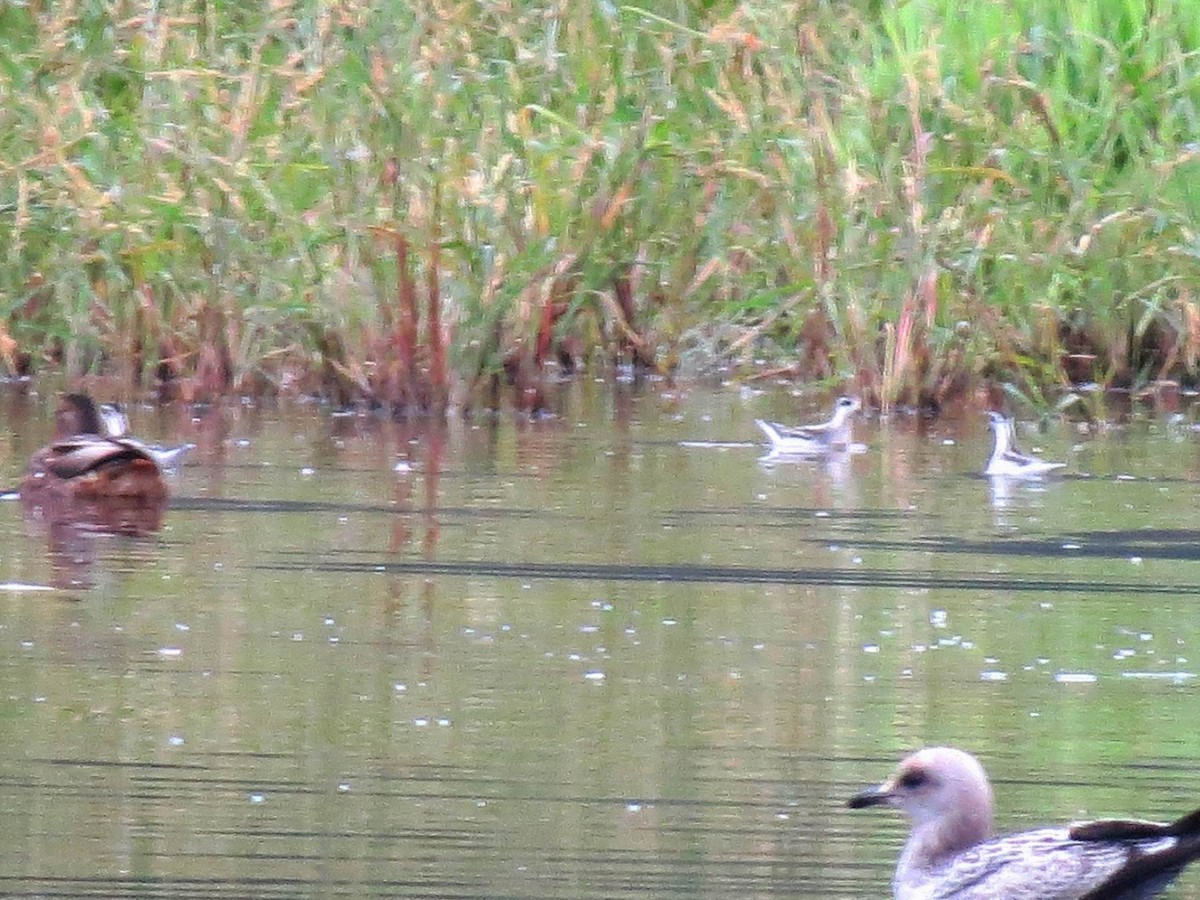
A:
(811, 439)
(1009, 462)
(951, 851)
(116, 425)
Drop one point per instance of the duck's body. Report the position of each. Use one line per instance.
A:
(807, 440)
(83, 463)
(1007, 461)
(951, 855)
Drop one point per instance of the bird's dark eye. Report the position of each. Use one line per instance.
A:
(912, 780)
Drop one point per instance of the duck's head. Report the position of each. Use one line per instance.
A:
(76, 414)
(997, 420)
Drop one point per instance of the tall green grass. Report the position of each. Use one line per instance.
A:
(910, 196)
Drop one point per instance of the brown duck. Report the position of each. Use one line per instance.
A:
(83, 463)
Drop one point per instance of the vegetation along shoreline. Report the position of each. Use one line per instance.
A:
(421, 206)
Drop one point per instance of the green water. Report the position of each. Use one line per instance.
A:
(608, 655)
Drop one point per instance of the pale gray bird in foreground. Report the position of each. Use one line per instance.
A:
(951, 854)
(813, 439)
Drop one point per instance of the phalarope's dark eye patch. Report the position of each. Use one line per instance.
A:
(913, 779)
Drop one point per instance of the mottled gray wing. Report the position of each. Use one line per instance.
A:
(1045, 864)
(801, 432)
(1018, 458)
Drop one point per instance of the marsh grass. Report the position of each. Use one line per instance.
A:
(412, 204)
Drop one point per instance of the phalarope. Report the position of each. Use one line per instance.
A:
(116, 425)
(811, 439)
(950, 851)
(1007, 460)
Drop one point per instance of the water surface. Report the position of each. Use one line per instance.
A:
(607, 655)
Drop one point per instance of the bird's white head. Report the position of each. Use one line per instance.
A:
(845, 407)
(997, 420)
(938, 784)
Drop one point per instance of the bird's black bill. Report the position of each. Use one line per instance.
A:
(873, 796)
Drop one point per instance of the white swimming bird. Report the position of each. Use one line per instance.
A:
(810, 439)
(116, 425)
(1007, 460)
(951, 853)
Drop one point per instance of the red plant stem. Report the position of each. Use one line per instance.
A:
(406, 332)
(433, 324)
(624, 292)
(545, 333)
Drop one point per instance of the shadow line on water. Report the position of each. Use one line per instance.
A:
(788, 515)
(694, 574)
(223, 504)
(1182, 546)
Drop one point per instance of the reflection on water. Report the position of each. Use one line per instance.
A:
(604, 656)
(75, 532)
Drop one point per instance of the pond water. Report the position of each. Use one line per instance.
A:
(610, 654)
